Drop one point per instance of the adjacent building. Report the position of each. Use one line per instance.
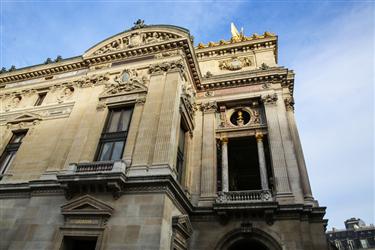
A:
(356, 235)
(148, 142)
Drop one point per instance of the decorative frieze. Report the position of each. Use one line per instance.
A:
(270, 99)
(135, 39)
(236, 63)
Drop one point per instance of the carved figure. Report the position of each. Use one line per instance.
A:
(66, 94)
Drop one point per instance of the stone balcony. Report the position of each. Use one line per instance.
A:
(254, 201)
(244, 196)
(93, 177)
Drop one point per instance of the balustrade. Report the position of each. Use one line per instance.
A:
(244, 196)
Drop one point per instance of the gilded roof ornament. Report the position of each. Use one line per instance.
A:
(236, 35)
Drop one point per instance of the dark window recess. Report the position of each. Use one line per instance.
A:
(40, 99)
(79, 243)
(180, 153)
(11, 150)
(219, 166)
(113, 138)
(243, 164)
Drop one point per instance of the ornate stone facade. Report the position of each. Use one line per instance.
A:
(147, 142)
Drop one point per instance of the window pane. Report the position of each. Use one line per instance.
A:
(41, 97)
(125, 120)
(181, 140)
(6, 161)
(113, 122)
(18, 137)
(105, 152)
(117, 151)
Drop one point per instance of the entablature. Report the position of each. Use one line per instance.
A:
(264, 77)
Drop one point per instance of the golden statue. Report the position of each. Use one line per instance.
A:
(239, 118)
(236, 35)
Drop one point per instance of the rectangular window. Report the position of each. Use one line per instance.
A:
(180, 153)
(40, 99)
(11, 150)
(113, 138)
(79, 243)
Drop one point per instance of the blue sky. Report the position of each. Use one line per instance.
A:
(329, 44)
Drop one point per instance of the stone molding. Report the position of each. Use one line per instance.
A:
(270, 99)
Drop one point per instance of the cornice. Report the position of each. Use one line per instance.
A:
(43, 70)
(230, 47)
(265, 77)
(80, 63)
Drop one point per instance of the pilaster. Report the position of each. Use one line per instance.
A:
(148, 124)
(196, 150)
(289, 105)
(133, 130)
(165, 150)
(208, 171)
(283, 190)
(289, 152)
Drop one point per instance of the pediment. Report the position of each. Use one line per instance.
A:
(85, 205)
(25, 117)
(138, 37)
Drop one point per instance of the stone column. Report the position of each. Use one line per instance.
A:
(208, 174)
(262, 161)
(281, 180)
(289, 105)
(224, 165)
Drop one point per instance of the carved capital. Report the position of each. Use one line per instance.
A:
(270, 99)
(167, 66)
(209, 107)
(289, 103)
(224, 140)
(141, 100)
(259, 136)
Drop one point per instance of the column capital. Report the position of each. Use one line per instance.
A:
(289, 103)
(208, 107)
(224, 140)
(259, 136)
(270, 98)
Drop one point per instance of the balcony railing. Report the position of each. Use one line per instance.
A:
(96, 167)
(244, 196)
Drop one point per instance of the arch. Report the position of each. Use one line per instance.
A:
(242, 236)
(137, 37)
